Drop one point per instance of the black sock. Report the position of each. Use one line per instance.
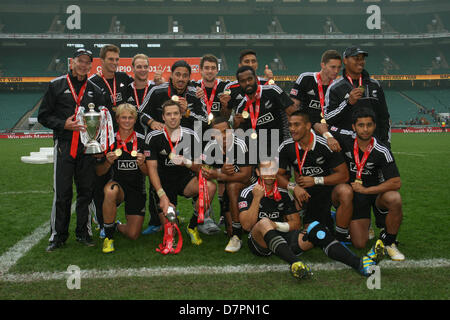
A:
(237, 229)
(336, 251)
(109, 229)
(278, 245)
(193, 222)
(387, 238)
(341, 233)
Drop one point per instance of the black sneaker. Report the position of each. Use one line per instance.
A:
(52, 246)
(87, 241)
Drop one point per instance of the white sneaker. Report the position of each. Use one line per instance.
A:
(394, 253)
(234, 245)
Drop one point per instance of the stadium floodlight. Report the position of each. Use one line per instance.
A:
(153, 45)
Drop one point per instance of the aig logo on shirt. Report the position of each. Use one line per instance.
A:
(268, 117)
(314, 104)
(271, 215)
(127, 165)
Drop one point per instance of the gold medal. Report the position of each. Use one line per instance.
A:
(245, 114)
(118, 152)
(171, 155)
(322, 120)
(188, 112)
(227, 92)
(361, 88)
(271, 82)
(134, 153)
(254, 135)
(358, 181)
(175, 98)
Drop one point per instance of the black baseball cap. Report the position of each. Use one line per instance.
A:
(354, 51)
(83, 51)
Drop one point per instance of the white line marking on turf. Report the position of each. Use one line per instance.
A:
(410, 154)
(193, 270)
(24, 192)
(10, 257)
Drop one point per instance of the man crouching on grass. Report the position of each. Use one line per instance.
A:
(270, 215)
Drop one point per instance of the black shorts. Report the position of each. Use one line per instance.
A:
(174, 187)
(362, 205)
(318, 208)
(291, 238)
(134, 200)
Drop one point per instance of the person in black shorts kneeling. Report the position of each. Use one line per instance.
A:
(127, 184)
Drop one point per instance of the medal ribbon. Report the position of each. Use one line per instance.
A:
(123, 144)
(360, 163)
(275, 194)
(203, 197)
(297, 153)
(209, 102)
(170, 140)
(77, 98)
(136, 95)
(320, 89)
(351, 80)
(254, 114)
(113, 93)
(167, 246)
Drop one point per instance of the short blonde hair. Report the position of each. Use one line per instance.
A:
(139, 56)
(126, 107)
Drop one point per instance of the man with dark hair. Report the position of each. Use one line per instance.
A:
(172, 162)
(375, 181)
(354, 90)
(320, 173)
(179, 90)
(260, 113)
(59, 111)
(228, 158)
(308, 93)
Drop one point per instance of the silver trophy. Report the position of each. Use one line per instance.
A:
(92, 121)
(171, 215)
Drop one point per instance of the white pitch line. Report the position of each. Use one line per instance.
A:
(410, 154)
(10, 257)
(24, 192)
(194, 270)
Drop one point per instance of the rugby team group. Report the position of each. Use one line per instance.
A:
(292, 171)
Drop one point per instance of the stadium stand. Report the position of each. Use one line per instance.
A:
(13, 105)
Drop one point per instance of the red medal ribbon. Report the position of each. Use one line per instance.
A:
(320, 89)
(297, 152)
(203, 197)
(170, 140)
(77, 98)
(209, 102)
(136, 95)
(113, 93)
(123, 144)
(360, 163)
(275, 193)
(167, 246)
(351, 80)
(254, 114)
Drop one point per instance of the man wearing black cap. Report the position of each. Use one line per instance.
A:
(58, 111)
(355, 90)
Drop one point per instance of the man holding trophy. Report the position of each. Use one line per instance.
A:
(62, 111)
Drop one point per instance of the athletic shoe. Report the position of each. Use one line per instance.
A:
(108, 245)
(195, 236)
(87, 241)
(52, 246)
(377, 252)
(300, 270)
(394, 253)
(151, 229)
(102, 233)
(208, 227)
(234, 245)
(366, 263)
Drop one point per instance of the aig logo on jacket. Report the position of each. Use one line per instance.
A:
(127, 165)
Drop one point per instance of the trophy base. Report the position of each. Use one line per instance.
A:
(93, 147)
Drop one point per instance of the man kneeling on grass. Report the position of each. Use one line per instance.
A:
(127, 183)
(270, 215)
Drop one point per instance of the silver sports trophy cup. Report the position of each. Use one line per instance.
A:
(92, 121)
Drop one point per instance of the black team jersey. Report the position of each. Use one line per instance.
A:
(306, 90)
(237, 154)
(236, 92)
(319, 161)
(122, 82)
(151, 108)
(380, 165)
(135, 97)
(125, 170)
(157, 147)
(268, 207)
(216, 106)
